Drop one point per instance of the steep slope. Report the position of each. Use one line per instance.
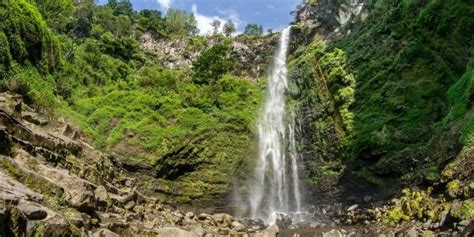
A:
(387, 102)
(184, 120)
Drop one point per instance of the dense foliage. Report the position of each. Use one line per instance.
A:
(189, 129)
(402, 90)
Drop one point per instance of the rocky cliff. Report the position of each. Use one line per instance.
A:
(250, 55)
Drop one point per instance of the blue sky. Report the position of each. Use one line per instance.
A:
(273, 14)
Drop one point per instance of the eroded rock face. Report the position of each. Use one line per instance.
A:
(251, 56)
(330, 18)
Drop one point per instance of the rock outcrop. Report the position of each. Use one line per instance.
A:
(332, 20)
(251, 57)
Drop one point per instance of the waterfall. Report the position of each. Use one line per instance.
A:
(276, 184)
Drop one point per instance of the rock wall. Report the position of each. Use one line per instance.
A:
(251, 56)
(333, 19)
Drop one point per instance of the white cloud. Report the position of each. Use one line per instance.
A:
(165, 4)
(204, 22)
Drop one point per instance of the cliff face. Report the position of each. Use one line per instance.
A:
(377, 93)
(250, 56)
(333, 20)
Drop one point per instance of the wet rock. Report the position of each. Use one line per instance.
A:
(32, 211)
(255, 224)
(333, 233)
(271, 231)
(283, 221)
(175, 232)
(104, 233)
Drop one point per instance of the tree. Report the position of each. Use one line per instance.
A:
(229, 28)
(179, 22)
(121, 7)
(253, 30)
(270, 31)
(83, 16)
(215, 26)
(151, 21)
(56, 12)
(212, 64)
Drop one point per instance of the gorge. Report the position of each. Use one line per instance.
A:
(355, 121)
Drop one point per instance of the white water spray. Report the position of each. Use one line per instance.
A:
(271, 192)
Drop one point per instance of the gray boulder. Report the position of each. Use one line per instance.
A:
(175, 232)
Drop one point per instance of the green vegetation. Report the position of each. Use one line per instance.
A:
(191, 129)
(414, 205)
(394, 97)
(253, 30)
(323, 91)
(408, 58)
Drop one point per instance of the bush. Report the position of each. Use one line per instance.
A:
(212, 64)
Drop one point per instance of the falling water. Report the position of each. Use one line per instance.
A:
(271, 192)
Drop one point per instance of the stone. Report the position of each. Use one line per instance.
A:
(79, 193)
(71, 132)
(75, 218)
(223, 218)
(427, 224)
(283, 221)
(175, 232)
(34, 119)
(56, 226)
(12, 191)
(190, 215)
(130, 205)
(3, 99)
(199, 231)
(204, 216)
(443, 219)
(412, 232)
(17, 105)
(333, 233)
(237, 226)
(428, 234)
(464, 223)
(271, 231)
(352, 208)
(102, 196)
(104, 233)
(32, 211)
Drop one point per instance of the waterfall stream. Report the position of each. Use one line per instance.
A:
(276, 186)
